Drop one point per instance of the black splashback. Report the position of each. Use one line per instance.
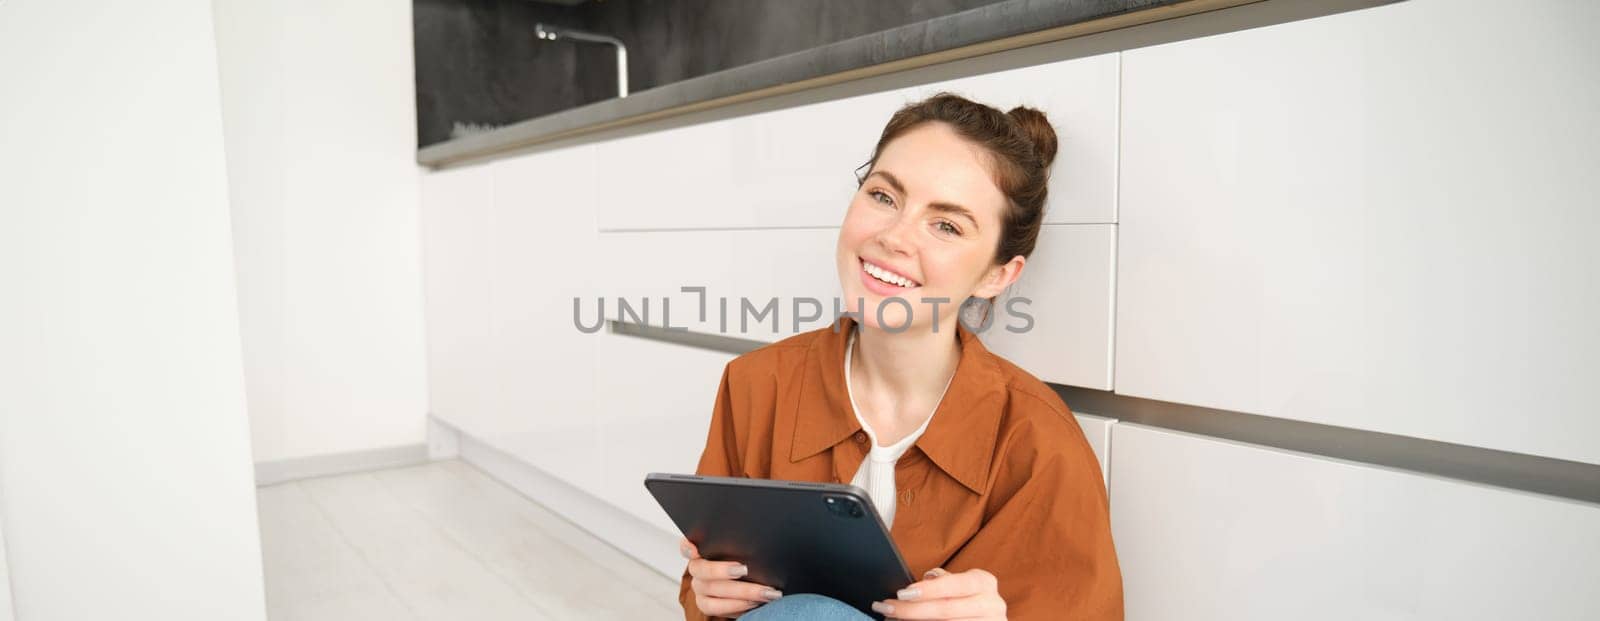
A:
(478, 63)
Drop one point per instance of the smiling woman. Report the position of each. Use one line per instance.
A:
(990, 490)
(961, 182)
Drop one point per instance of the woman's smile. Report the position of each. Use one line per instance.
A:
(883, 281)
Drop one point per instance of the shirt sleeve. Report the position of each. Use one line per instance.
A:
(719, 458)
(1048, 537)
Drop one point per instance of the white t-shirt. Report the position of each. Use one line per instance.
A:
(876, 474)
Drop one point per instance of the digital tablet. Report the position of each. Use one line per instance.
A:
(795, 537)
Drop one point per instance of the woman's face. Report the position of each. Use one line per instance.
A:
(927, 218)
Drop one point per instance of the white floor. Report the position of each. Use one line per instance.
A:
(441, 541)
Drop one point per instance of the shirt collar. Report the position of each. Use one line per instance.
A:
(960, 438)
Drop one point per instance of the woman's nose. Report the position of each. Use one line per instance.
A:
(896, 237)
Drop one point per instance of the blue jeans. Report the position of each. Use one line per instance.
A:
(805, 607)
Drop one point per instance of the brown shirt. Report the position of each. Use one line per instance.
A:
(1002, 479)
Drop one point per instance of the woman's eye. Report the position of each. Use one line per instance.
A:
(948, 228)
(877, 193)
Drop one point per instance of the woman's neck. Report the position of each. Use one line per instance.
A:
(907, 370)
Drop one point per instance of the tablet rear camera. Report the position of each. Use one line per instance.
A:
(843, 506)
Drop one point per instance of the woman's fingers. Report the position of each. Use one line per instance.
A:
(947, 585)
(709, 569)
(735, 589)
(726, 598)
(953, 608)
(706, 569)
(943, 595)
(719, 607)
(718, 592)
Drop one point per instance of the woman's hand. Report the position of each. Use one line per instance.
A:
(717, 588)
(971, 594)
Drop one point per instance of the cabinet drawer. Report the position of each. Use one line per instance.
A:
(1208, 529)
(1067, 287)
(653, 404)
(734, 266)
(1309, 231)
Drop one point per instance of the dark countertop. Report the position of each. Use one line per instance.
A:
(997, 27)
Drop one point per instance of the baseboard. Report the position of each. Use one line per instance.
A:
(296, 468)
(646, 543)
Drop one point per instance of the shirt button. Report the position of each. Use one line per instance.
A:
(860, 437)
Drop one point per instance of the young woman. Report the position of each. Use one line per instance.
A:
(990, 489)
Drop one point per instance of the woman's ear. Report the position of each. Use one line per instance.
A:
(1001, 276)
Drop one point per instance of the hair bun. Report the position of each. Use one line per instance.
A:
(1038, 129)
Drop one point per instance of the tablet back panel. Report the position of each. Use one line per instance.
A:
(795, 537)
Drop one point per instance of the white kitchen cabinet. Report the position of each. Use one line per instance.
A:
(1381, 219)
(1210, 529)
(732, 265)
(674, 178)
(1067, 289)
(507, 246)
(540, 365)
(795, 167)
(456, 219)
(1097, 430)
(653, 406)
(783, 168)
(1079, 96)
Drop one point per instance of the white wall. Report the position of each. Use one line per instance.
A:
(124, 446)
(318, 106)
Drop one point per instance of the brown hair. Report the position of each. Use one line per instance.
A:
(1021, 143)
